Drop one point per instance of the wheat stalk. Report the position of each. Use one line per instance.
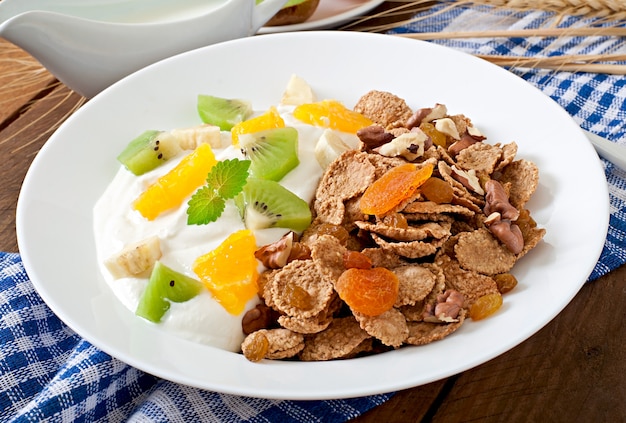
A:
(608, 15)
(566, 63)
(616, 9)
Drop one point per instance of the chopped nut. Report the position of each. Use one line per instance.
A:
(447, 308)
(439, 111)
(374, 136)
(508, 233)
(475, 133)
(448, 127)
(260, 317)
(409, 145)
(498, 201)
(276, 255)
(469, 179)
(465, 141)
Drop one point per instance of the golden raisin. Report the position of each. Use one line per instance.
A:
(298, 297)
(357, 260)
(485, 306)
(395, 186)
(257, 347)
(368, 291)
(396, 220)
(437, 190)
(506, 282)
(438, 138)
(526, 223)
(337, 231)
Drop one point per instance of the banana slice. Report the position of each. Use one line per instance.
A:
(135, 258)
(191, 138)
(297, 92)
(329, 146)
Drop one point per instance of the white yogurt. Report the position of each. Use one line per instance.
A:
(116, 224)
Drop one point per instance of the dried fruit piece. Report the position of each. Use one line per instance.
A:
(368, 291)
(356, 260)
(298, 297)
(331, 114)
(438, 138)
(394, 187)
(505, 281)
(171, 189)
(485, 306)
(437, 190)
(256, 347)
(230, 271)
(325, 228)
(396, 220)
(268, 120)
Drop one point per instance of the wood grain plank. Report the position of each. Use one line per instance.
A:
(20, 141)
(571, 370)
(22, 79)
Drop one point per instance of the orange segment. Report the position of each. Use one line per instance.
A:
(397, 185)
(331, 114)
(230, 271)
(171, 189)
(268, 120)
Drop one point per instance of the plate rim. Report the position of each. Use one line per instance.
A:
(283, 393)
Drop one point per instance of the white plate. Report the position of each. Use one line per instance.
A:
(54, 214)
(329, 14)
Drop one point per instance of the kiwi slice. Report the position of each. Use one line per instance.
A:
(272, 152)
(267, 204)
(148, 151)
(223, 112)
(165, 285)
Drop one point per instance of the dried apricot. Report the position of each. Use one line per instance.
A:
(485, 306)
(331, 114)
(368, 291)
(437, 190)
(395, 186)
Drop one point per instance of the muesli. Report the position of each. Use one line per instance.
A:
(413, 232)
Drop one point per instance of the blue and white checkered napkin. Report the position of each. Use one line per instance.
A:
(47, 372)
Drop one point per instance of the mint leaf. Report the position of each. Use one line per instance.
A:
(228, 177)
(225, 181)
(205, 206)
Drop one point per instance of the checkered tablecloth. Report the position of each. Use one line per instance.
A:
(49, 373)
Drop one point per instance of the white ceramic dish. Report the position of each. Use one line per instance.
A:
(329, 14)
(54, 214)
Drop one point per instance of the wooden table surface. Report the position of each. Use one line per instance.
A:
(573, 370)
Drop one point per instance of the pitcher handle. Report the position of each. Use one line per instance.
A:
(264, 11)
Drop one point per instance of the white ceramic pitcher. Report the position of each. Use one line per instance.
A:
(90, 44)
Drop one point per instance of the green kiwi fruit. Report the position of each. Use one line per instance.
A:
(267, 204)
(272, 152)
(223, 112)
(165, 286)
(148, 151)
